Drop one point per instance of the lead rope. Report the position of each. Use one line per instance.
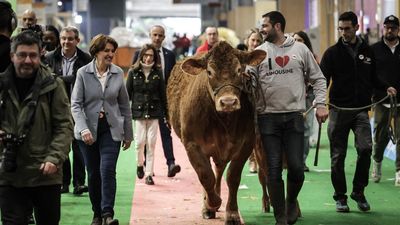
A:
(392, 116)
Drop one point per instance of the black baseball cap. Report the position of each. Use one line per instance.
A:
(391, 19)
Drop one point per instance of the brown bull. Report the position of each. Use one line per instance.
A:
(213, 117)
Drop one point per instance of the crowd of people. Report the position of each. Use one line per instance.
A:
(56, 97)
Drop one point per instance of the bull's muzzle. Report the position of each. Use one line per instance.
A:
(228, 104)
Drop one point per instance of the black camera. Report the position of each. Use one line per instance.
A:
(9, 158)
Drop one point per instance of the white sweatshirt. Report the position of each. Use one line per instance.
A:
(282, 77)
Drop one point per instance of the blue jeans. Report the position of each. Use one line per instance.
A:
(283, 133)
(339, 126)
(101, 161)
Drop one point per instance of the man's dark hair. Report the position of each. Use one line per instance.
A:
(27, 37)
(7, 17)
(349, 16)
(276, 17)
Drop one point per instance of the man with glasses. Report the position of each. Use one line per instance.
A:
(36, 130)
(350, 67)
(212, 38)
(387, 54)
(65, 62)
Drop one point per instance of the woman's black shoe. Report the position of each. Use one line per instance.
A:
(149, 180)
(140, 172)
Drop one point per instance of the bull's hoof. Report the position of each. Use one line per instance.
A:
(266, 208)
(207, 214)
(233, 222)
(232, 218)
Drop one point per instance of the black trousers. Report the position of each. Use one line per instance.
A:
(78, 167)
(339, 126)
(17, 203)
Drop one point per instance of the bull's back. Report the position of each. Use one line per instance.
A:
(176, 89)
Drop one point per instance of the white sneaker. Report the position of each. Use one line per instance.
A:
(377, 171)
(397, 180)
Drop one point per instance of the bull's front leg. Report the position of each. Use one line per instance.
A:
(219, 172)
(202, 166)
(232, 216)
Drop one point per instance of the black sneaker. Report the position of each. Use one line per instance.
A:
(64, 189)
(80, 189)
(362, 203)
(149, 180)
(173, 170)
(140, 172)
(341, 205)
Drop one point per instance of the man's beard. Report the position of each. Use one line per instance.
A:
(390, 37)
(271, 36)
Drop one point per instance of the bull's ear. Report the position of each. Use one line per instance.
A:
(193, 66)
(252, 58)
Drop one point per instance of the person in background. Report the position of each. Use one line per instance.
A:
(146, 89)
(65, 61)
(8, 23)
(100, 107)
(302, 37)
(349, 66)
(51, 38)
(36, 132)
(252, 41)
(167, 61)
(29, 19)
(211, 40)
(387, 54)
(280, 119)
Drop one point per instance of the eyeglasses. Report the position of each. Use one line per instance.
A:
(24, 55)
(390, 27)
(345, 29)
(148, 55)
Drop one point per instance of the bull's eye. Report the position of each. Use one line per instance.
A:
(209, 73)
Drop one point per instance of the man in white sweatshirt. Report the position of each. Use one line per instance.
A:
(289, 65)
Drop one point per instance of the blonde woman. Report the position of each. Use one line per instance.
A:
(252, 41)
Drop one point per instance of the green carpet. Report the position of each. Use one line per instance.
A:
(78, 210)
(317, 205)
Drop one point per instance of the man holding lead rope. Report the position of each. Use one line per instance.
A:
(350, 67)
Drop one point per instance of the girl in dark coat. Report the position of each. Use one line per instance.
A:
(146, 89)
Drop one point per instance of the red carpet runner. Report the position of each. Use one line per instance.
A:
(172, 201)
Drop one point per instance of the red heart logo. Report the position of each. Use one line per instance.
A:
(282, 61)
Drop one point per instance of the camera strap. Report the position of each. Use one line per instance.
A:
(32, 104)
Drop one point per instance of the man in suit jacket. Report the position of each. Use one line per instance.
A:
(157, 35)
(65, 61)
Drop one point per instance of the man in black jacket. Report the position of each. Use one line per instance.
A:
(157, 36)
(8, 23)
(65, 62)
(387, 54)
(350, 66)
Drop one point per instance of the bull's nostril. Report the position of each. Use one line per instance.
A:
(228, 102)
